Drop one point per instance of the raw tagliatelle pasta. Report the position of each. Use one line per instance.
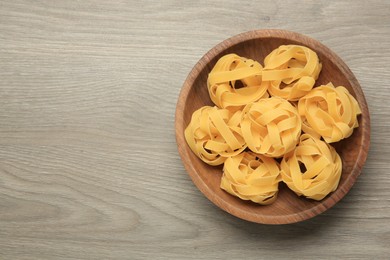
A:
(251, 177)
(313, 169)
(330, 112)
(214, 134)
(264, 113)
(223, 81)
(291, 71)
(271, 126)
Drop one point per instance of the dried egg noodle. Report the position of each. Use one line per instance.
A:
(291, 71)
(251, 177)
(214, 134)
(330, 112)
(323, 168)
(227, 71)
(271, 126)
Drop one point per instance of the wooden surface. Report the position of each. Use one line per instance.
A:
(89, 167)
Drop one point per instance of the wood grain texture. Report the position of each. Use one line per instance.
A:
(89, 167)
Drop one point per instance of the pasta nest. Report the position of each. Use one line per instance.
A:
(251, 177)
(291, 71)
(313, 169)
(215, 134)
(329, 112)
(223, 81)
(271, 126)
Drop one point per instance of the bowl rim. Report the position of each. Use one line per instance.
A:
(337, 195)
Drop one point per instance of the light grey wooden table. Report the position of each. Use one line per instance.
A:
(88, 162)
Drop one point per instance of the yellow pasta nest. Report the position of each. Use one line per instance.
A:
(313, 169)
(227, 72)
(330, 112)
(291, 71)
(271, 126)
(215, 134)
(251, 177)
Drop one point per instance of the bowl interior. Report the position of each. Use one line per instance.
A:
(288, 207)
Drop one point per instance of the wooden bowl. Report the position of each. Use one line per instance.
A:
(288, 207)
